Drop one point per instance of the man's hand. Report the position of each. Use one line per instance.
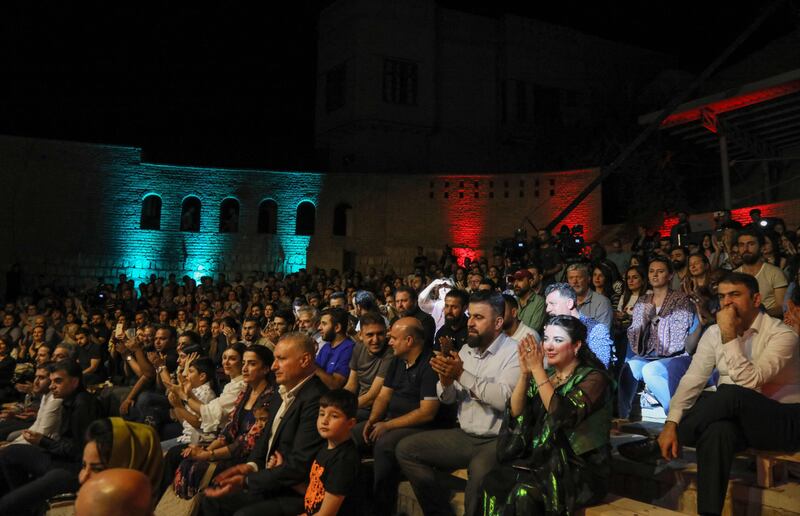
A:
(449, 368)
(125, 407)
(668, 441)
(229, 481)
(32, 437)
(727, 320)
(24, 388)
(378, 429)
(275, 460)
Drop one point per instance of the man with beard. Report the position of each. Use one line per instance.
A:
(369, 362)
(405, 299)
(532, 312)
(679, 256)
(251, 334)
(431, 300)
(561, 299)
(333, 360)
(454, 328)
(479, 380)
(512, 326)
(772, 282)
(589, 303)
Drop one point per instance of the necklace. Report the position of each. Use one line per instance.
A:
(561, 378)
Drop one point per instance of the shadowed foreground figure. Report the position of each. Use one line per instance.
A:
(115, 492)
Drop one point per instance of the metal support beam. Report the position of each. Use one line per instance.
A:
(726, 171)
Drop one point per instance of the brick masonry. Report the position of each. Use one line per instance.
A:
(73, 213)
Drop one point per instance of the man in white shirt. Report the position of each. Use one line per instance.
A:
(479, 379)
(755, 405)
(48, 418)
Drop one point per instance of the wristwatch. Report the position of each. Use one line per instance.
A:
(129, 357)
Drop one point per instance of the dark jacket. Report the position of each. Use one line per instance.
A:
(428, 324)
(77, 412)
(296, 439)
(459, 333)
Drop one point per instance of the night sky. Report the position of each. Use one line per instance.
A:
(229, 86)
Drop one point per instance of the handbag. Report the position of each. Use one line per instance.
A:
(173, 505)
(510, 441)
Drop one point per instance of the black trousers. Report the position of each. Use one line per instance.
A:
(287, 503)
(31, 477)
(723, 423)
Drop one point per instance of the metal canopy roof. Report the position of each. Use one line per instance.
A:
(760, 119)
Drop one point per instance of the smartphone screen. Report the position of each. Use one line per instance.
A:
(119, 332)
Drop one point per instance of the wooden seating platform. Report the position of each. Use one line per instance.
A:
(618, 506)
(771, 466)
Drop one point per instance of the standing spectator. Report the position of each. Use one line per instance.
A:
(679, 234)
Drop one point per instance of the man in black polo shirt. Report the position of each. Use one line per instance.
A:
(90, 357)
(455, 320)
(406, 404)
(406, 300)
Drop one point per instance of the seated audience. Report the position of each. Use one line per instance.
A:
(454, 329)
(756, 402)
(369, 362)
(561, 299)
(407, 404)
(333, 360)
(555, 456)
(291, 432)
(478, 379)
(532, 311)
(115, 492)
(589, 303)
(45, 421)
(658, 336)
(772, 282)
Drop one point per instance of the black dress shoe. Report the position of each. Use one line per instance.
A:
(643, 450)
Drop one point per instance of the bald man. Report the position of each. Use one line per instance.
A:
(406, 404)
(113, 492)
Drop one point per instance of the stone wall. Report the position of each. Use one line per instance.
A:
(72, 212)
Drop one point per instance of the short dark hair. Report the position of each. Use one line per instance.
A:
(412, 294)
(194, 337)
(338, 316)
(661, 259)
(511, 301)
(493, 299)
(286, 315)
(740, 278)
(461, 295)
(564, 290)
(71, 367)
(369, 318)
(755, 233)
(342, 399)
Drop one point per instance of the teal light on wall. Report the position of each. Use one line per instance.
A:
(142, 252)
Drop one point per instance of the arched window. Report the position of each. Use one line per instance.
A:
(341, 219)
(268, 217)
(151, 212)
(229, 216)
(306, 213)
(190, 214)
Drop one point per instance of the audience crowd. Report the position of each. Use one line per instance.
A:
(264, 393)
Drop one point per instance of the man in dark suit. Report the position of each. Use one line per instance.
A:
(283, 455)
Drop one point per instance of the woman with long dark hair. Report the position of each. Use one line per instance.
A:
(553, 449)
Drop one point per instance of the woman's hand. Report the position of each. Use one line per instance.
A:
(531, 354)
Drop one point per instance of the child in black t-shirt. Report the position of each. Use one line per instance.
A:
(335, 469)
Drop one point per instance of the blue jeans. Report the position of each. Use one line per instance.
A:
(661, 376)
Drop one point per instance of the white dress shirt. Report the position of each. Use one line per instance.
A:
(485, 386)
(48, 419)
(764, 359)
(215, 413)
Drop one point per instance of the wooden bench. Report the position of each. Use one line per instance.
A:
(618, 506)
(771, 466)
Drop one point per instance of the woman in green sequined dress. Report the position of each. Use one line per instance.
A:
(553, 450)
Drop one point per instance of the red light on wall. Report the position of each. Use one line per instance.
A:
(465, 252)
(732, 103)
(465, 216)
